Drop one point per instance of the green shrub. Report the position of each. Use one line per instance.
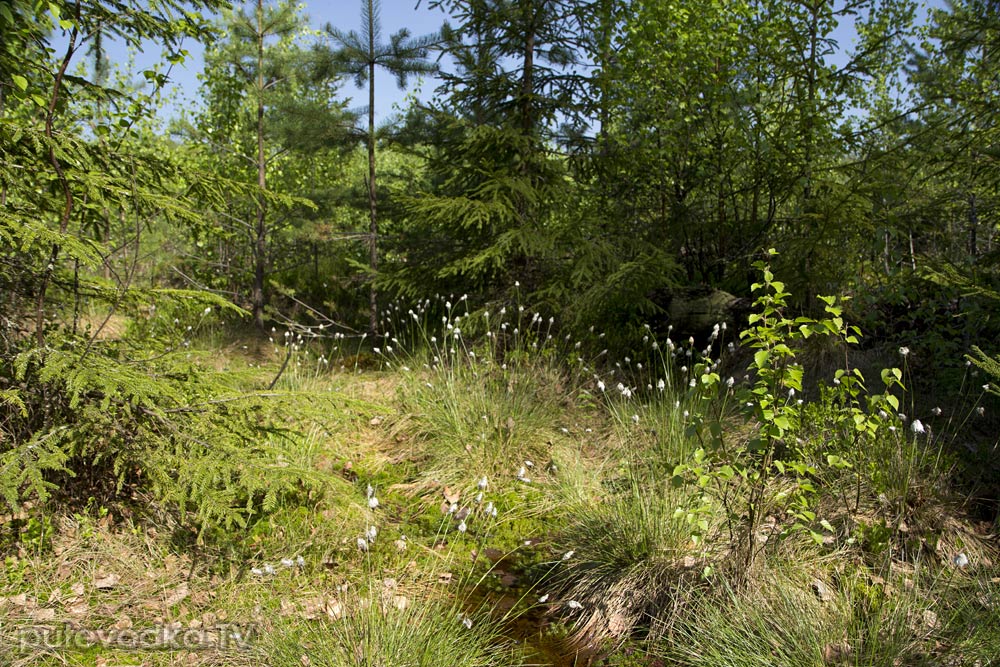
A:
(108, 418)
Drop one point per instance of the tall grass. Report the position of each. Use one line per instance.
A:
(425, 633)
(482, 395)
(625, 561)
(783, 620)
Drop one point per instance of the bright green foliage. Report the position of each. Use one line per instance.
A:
(199, 442)
(83, 411)
(726, 131)
(775, 470)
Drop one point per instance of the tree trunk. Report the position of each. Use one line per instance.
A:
(260, 245)
(973, 227)
(528, 75)
(372, 198)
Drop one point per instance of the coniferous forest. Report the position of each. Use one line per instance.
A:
(649, 333)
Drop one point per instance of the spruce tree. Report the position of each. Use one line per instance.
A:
(360, 54)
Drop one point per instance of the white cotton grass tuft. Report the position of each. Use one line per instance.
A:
(918, 427)
(961, 561)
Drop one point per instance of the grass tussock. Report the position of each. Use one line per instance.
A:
(808, 615)
(378, 632)
(470, 415)
(626, 564)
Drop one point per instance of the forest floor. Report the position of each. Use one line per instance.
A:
(507, 512)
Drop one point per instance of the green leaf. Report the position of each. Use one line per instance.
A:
(20, 82)
(760, 358)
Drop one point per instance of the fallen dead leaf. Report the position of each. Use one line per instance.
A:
(452, 496)
(836, 653)
(78, 608)
(176, 595)
(312, 607)
(43, 615)
(334, 609)
(106, 581)
(20, 600)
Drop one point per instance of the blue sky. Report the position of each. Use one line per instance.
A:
(346, 15)
(343, 14)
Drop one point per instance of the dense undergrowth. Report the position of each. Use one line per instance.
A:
(484, 491)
